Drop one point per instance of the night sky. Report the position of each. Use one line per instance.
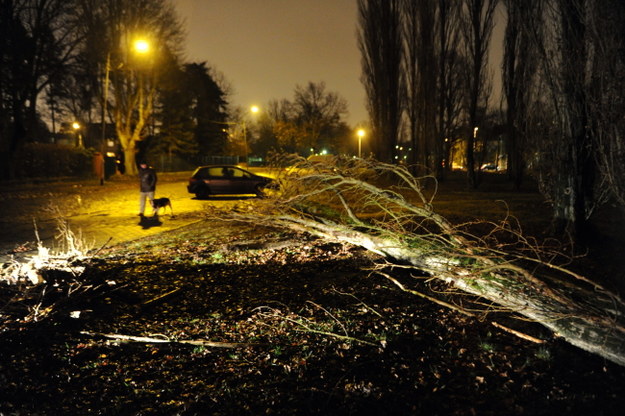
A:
(265, 48)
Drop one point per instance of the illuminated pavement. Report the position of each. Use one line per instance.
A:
(100, 215)
(116, 219)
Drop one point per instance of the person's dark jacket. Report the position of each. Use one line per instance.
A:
(147, 179)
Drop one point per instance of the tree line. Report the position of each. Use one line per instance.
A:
(76, 60)
(426, 74)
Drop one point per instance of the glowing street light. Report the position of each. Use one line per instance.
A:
(76, 126)
(361, 134)
(253, 109)
(142, 46)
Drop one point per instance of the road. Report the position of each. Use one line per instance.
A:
(98, 214)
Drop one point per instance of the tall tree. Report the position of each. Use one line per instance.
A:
(606, 34)
(449, 81)
(420, 67)
(477, 29)
(380, 44)
(36, 45)
(520, 68)
(583, 64)
(210, 108)
(175, 115)
(133, 78)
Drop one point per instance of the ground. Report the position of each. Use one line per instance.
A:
(226, 318)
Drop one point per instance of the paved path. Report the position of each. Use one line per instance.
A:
(100, 214)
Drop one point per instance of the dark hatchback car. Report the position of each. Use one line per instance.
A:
(226, 180)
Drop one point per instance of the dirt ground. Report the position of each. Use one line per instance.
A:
(213, 318)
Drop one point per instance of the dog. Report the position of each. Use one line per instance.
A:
(158, 203)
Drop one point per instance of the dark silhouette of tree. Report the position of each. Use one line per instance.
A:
(520, 68)
(174, 113)
(606, 33)
(433, 79)
(36, 45)
(477, 29)
(319, 115)
(581, 51)
(420, 67)
(449, 81)
(380, 43)
(192, 113)
(209, 108)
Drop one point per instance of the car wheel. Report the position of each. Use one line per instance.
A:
(202, 195)
(260, 191)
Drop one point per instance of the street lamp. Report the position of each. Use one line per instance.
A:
(142, 46)
(76, 127)
(361, 134)
(253, 109)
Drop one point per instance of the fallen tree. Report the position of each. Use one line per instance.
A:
(394, 218)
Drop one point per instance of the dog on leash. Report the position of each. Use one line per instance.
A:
(159, 203)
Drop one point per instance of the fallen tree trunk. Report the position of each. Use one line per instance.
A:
(335, 204)
(590, 319)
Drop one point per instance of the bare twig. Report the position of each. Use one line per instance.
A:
(165, 340)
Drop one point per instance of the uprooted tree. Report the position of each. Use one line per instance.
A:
(392, 216)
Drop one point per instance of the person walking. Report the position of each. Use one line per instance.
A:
(147, 184)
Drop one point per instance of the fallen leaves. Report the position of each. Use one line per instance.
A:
(310, 329)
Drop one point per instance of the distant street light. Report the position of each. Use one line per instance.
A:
(361, 134)
(253, 109)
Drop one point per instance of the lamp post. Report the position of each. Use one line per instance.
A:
(361, 134)
(76, 127)
(253, 109)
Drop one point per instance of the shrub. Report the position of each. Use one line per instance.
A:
(36, 160)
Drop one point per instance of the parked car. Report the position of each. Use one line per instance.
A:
(226, 180)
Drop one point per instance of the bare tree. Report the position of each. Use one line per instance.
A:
(318, 114)
(449, 80)
(520, 68)
(421, 71)
(477, 29)
(36, 47)
(380, 43)
(567, 164)
(606, 34)
(133, 79)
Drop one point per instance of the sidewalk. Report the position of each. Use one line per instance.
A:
(100, 215)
